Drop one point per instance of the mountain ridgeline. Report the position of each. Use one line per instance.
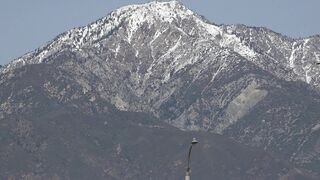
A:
(118, 98)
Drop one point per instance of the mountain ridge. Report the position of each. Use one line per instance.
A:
(249, 84)
(81, 32)
(46, 135)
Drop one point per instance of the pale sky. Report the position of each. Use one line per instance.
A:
(29, 24)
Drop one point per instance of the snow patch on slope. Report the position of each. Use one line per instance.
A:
(292, 55)
(316, 127)
(317, 57)
(307, 69)
(233, 42)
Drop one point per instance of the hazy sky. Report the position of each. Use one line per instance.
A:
(27, 24)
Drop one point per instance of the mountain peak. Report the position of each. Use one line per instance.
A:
(155, 3)
(150, 20)
(132, 16)
(164, 11)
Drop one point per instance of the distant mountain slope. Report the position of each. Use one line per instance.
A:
(162, 59)
(55, 138)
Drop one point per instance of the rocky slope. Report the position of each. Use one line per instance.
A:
(81, 138)
(160, 58)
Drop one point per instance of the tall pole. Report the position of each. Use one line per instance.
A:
(193, 142)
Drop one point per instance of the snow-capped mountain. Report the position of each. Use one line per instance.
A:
(258, 45)
(160, 58)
